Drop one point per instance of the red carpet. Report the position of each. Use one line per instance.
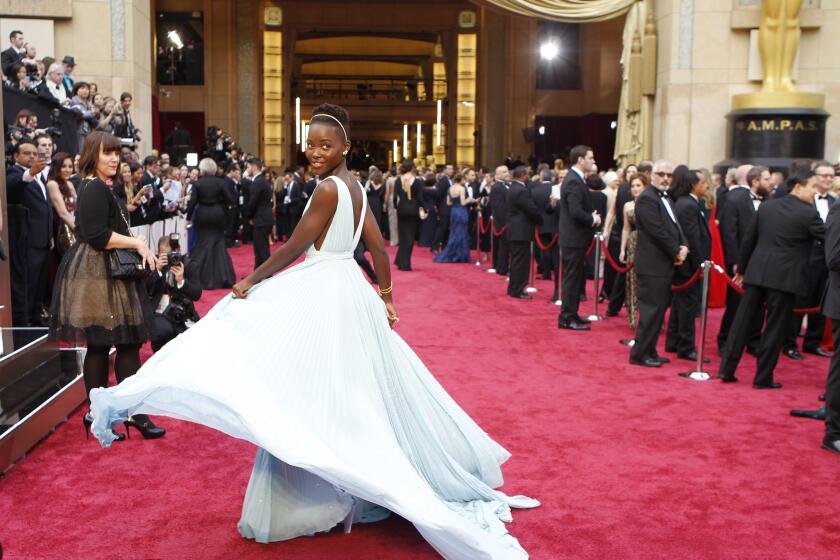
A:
(628, 462)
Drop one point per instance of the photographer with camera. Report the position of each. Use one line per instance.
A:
(124, 128)
(82, 105)
(172, 292)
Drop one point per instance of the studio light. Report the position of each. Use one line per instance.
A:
(549, 50)
(439, 109)
(176, 39)
(396, 151)
(405, 141)
(542, 131)
(613, 124)
(304, 131)
(297, 120)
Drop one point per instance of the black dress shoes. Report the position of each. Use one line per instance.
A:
(647, 362)
(521, 296)
(818, 352)
(832, 445)
(573, 326)
(662, 359)
(582, 321)
(728, 378)
(793, 354)
(692, 357)
(818, 414)
(772, 385)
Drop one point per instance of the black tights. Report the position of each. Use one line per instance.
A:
(96, 364)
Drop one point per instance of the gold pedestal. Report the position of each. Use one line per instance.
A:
(778, 99)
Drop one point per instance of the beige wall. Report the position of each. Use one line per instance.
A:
(110, 41)
(703, 62)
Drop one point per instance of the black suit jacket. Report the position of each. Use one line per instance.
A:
(154, 207)
(775, 250)
(442, 190)
(738, 213)
(696, 230)
(7, 58)
(720, 199)
(659, 237)
(831, 296)
(817, 257)
(498, 204)
(541, 193)
(576, 227)
(259, 203)
(523, 213)
(298, 200)
(40, 211)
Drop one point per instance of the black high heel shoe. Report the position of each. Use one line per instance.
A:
(87, 420)
(145, 426)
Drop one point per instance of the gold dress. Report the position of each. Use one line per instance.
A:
(630, 255)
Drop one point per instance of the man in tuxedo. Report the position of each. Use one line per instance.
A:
(444, 210)
(296, 191)
(259, 211)
(721, 190)
(541, 193)
(660, 247)
(578, 223)
(831, 309)
(523, 216)
(233, 177)
(498, 215)
(151, 178)
(31, 234)
(685, 304)
(742, 200)
(14, 53)
(471, 184)
(817, 277)
(774, 261)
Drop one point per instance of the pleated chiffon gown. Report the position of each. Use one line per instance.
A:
(349, 423)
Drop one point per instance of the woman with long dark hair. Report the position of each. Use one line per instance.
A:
(63, 197)
(210, 251)
(629, 235)
(349, 423)
(90, 305)
(408, 190)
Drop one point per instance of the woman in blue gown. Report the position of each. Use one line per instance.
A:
(457, 249)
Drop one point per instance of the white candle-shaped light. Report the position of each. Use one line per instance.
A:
(419, 135)
(439, 110)
(396, 151)
(304, 132)
(405, 141)
(297, 120)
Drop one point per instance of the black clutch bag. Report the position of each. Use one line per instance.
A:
(126, 264)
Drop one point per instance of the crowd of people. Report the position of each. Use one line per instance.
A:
(53, 81)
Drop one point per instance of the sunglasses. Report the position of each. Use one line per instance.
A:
(663, 174)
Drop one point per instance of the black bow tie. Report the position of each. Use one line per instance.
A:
(822, 196)
(755, 197)
(662, 194)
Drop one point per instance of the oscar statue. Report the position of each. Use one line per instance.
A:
(777, 124)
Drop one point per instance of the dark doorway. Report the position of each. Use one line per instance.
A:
(554, 136)
(193, 123)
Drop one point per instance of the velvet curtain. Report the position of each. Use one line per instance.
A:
(572, 11)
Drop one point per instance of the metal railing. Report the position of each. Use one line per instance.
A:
(373, 89)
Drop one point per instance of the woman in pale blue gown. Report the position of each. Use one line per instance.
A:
(349, 423)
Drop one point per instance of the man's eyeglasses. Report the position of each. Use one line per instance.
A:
(663, 174)
(826, 175)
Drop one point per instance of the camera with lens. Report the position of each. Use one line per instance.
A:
(54, 130)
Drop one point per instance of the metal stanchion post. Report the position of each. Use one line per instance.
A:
(492, 269)
(478, 238)
(698, 374)
(597, 275)
(532, 275)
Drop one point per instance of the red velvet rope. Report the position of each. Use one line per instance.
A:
(690, 282)
(740, 290)
(481, 227)
(618, 268)
(592, 246)
(542, 247)
(496, 232)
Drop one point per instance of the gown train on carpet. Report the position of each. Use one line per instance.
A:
(349, 422)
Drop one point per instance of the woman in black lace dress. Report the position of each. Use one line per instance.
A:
(213, 195)
(88, 305)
